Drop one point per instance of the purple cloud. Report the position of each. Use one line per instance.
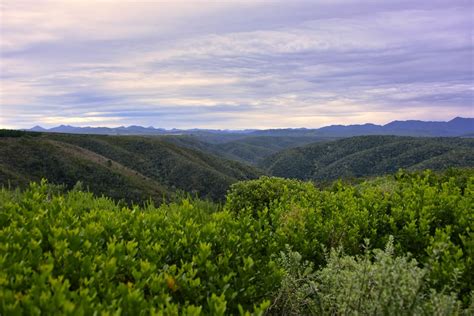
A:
(236, 64)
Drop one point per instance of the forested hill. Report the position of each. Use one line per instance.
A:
(368, 156)
(250, 149)
(130, 167)
(137, 167)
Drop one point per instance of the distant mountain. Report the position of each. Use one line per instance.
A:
(38, 128)
(456, 127)
(135, 130)
(132, 167)
(122, 130)
(369, 156)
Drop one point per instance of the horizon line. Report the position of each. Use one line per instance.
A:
(223, 129)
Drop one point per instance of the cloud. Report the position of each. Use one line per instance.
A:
(239, 64)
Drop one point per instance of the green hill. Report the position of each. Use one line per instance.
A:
(138, 167)
(368, 156)
(129, 167)
(250, 149)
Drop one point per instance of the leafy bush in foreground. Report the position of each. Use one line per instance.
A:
(377, 283)
(429, 215)
(73, 253)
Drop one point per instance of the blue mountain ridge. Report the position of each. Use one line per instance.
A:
(458, 126)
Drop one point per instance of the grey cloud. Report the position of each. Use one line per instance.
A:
(334, 59)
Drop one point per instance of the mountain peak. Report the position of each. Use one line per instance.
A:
(38, 128)
(460, 119)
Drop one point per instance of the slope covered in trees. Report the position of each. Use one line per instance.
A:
(369, 156)
(137, 168)
(249, 149)
(396, 245)
(134, 168)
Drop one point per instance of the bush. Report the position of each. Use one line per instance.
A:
(73, 253)
(377, 283)
(268, 193)
(297, 292)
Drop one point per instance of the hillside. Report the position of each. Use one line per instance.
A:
(118, 166)
(368, 156)
(249, 149)
(139, 167)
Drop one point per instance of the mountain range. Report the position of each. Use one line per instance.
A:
(456, 127)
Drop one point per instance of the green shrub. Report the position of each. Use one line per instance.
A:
(73, 253)
(297, 292)
(376, 283)
(267, 193)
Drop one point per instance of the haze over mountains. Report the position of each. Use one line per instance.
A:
(458, 126)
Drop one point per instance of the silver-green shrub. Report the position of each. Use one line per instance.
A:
(376, 283)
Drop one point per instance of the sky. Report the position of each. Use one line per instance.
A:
(234, 64)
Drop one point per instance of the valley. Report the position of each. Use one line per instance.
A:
(139, 168)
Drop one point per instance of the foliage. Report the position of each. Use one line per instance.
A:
(26, 159)
(139, 168)
(17, 133)
(73, 253)
(297, 292)
(369, 156)
(376, 283)
(248, 149)
(131, 168)
(430, 216)
(265, 193)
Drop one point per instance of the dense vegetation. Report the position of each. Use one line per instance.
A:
(129, 167)
(370, 156)
(250, 149)
(401, 244)
(139, 168)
